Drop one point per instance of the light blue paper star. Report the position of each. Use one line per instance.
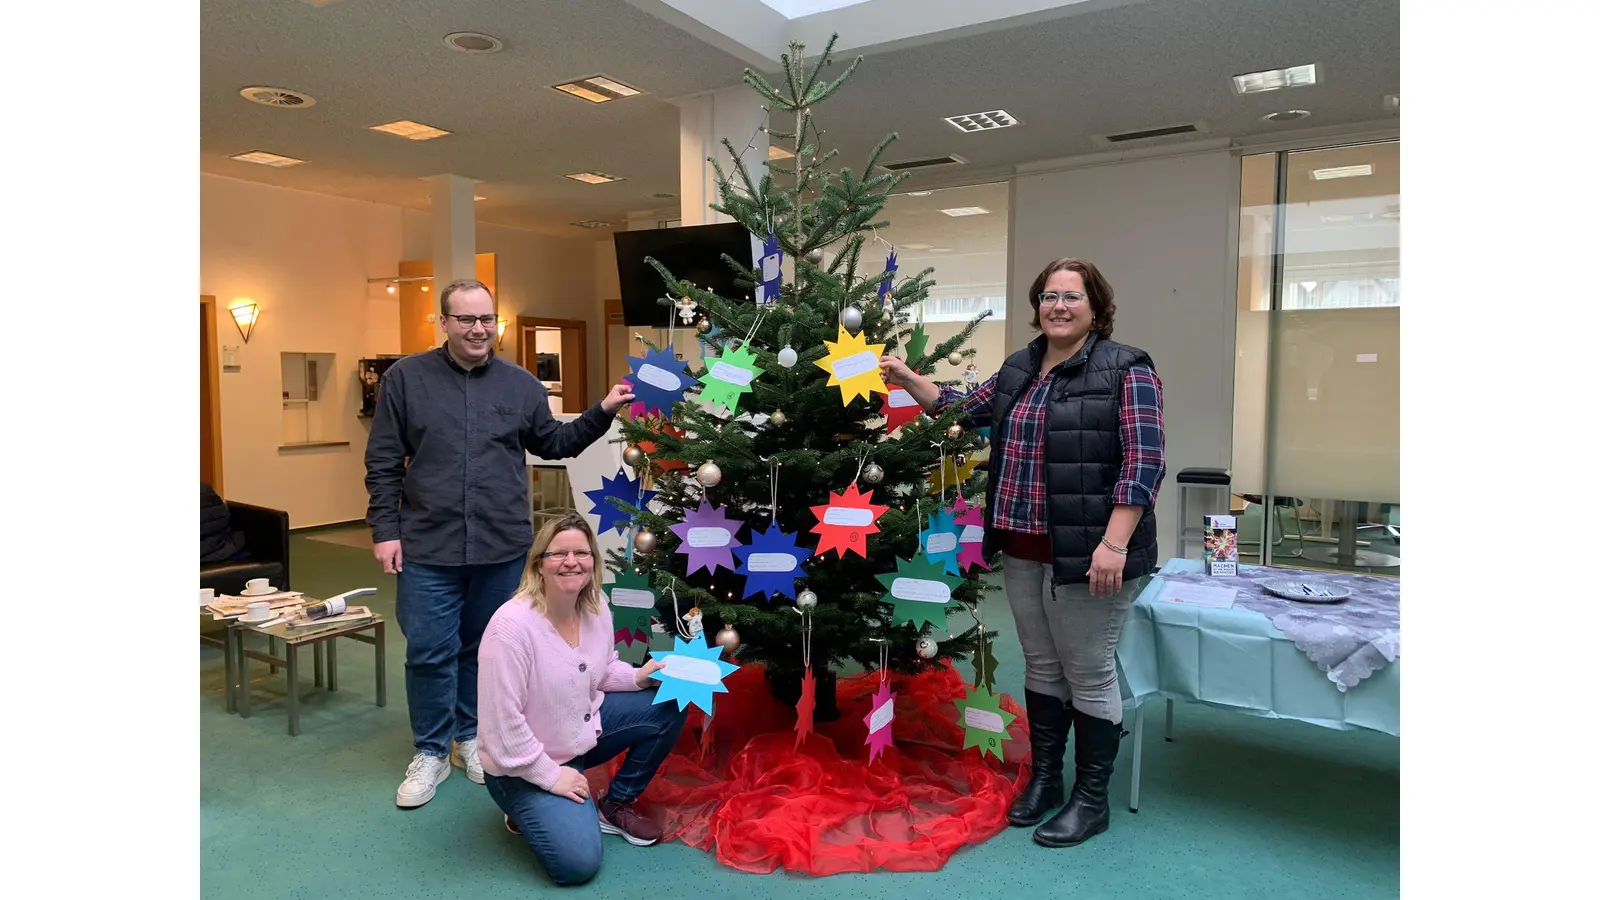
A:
(691, 673)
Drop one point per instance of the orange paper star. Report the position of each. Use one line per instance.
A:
(844, 523)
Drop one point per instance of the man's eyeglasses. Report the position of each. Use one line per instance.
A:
(579, 555)
(469, 321)
(1070, 298)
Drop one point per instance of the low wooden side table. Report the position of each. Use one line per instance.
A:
(324, 641)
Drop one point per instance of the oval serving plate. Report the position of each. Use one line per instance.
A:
(1306, 590)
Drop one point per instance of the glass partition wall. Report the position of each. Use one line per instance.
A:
(1316, 445)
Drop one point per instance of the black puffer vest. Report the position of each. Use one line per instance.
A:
(1082, 454)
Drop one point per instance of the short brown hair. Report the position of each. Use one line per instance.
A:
(1099, 290)
(460, 284)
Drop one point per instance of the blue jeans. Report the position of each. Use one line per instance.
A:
(565, 836)
(443, 611)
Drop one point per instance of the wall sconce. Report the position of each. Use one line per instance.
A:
(500, 332)
(244, 316)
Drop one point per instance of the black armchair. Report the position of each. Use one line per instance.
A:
(266, 537)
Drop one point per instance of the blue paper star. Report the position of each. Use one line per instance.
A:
(658, 380)
(691, 673)
(770, 270)
(941, 541)
(891, 266)
(777, 561)
(622, 488)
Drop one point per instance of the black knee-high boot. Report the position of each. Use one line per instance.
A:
(1049, 720)
(1088, 810)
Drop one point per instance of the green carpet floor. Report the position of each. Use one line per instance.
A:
(1236, 807)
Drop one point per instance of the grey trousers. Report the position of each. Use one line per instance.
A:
(1069, 638)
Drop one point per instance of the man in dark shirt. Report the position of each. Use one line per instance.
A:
(453, 525)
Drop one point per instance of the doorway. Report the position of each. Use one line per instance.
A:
(210, 396)
(554, 351)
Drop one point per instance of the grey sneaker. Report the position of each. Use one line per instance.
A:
(464, 756)
(422, 778)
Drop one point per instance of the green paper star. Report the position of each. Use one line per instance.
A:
(632, 618)
(916, 346)
(984, 663)
(728, 377)
(920, 591)
(985, 722)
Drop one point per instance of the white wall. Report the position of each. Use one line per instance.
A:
(1160, 230)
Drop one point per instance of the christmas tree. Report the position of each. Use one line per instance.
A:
(786, 480)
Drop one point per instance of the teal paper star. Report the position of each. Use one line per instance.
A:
(691, 673)
(941, 541)
(920, 591)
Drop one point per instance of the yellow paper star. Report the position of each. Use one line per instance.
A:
(852, 364)
(952, 474)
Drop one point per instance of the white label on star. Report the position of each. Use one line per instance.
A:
(849, 516)
(882, 718)
(941, 542)
(984, 719)
(921, 590)
(709, 536)
(972, 534)
(770, 267)
(772, 562)
(900, 398)
(855, 364)
(657, 377)
(633, 598)
(691, 668)
(721, 371)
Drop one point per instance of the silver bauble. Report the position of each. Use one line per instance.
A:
(954, 432)
(814, 257)
(927, 648)
(924, 419)
(955, 359)
(778, 418)
(644, 541)
(633, 455)
(850, 318)
(728, 639)
(704, 327)
(806, 600)
(709, 474)
(787, 357)
(872, 474)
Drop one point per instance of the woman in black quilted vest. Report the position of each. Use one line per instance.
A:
(1077, 458)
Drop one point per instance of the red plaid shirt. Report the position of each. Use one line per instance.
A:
(1017, 491)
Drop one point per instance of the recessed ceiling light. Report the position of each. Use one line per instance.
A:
(1275, 79)
(916, 246)
(938, 249)
(278, 98)
(776, 152)
(1337, 218)
(262, 157)
(965, 211)
(1341, 172)
(919, 193)
(415, 131)
(664, 195)
(983, 121)
(592, 223)
(593, 177)
(473, 42)
(1287, 115)
(597, 89)
(479, 197)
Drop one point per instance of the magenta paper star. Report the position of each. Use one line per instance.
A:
(880, 722)
(969, 518)
(706, 535)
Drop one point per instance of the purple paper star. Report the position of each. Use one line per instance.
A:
(969, 520)
(882, 715)
(706, 535)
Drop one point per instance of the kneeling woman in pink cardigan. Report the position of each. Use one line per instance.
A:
(554, 699)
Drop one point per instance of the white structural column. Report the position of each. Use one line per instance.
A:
(704, 120)
(454, 231)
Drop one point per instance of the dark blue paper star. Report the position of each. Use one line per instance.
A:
(623, 488)
(771, 270)
(891, 266)
(772, 551)
(658, 380)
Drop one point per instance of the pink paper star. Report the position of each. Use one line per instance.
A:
(970, 518)
(882, 715)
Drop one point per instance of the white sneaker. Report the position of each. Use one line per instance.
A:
(422, 778)
(464, 755)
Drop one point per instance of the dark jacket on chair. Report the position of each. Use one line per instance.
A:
(219, 543)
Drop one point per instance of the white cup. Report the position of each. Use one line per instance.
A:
(256, 585)
(208, 596)
(258, 611)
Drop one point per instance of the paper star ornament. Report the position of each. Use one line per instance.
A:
(890, 266)
(770, 563)
(852, 365)
(920, 591)
(706, 536)
(844, 523)
(952, 474)
(771, 270)
(985, 722)
(984, 663)
(899, 407)
(969, 520)
(691, 673)
(880, 722)
(806, 709)
(728, 377)
(622, 488)
(941, 541)
(658, 379)
(916, 345)
(633, 604)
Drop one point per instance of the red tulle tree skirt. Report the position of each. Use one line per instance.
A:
(741, 789)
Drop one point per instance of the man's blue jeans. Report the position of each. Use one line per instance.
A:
(566, 835)
(443, 611)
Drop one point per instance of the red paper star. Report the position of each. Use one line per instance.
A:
(899, 408)
(845, 523)
(805, 709)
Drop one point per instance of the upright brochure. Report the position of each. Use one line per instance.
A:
(1222, 545)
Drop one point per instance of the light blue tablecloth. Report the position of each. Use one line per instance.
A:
(1235, 659)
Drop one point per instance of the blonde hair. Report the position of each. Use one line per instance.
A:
(532, 585)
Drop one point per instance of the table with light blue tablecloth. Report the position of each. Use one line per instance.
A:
(1236, 659)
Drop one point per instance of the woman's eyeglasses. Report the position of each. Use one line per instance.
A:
(579, 555)
(1070, 298)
